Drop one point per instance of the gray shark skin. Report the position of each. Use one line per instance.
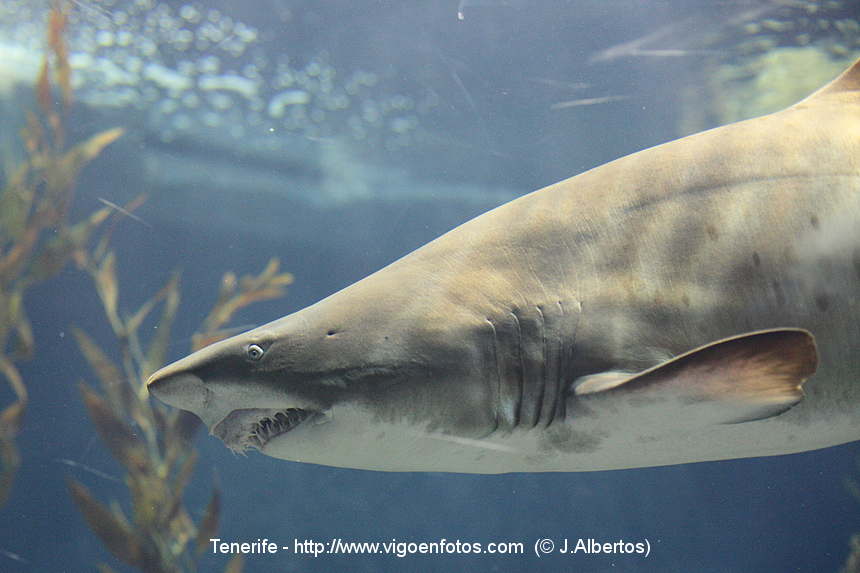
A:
(696, 301)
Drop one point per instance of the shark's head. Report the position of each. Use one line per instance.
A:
(336, 384)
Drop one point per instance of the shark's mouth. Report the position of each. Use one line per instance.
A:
(282, 422)
(254, 428)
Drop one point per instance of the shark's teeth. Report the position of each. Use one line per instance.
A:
(274, 425)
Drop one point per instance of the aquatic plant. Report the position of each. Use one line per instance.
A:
(36, 240)
(852, 563)
(155, 447)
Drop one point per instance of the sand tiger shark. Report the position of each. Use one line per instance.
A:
(695, 301)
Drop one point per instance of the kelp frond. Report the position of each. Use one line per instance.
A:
(153, 443)
(36, 240)
(236, 294)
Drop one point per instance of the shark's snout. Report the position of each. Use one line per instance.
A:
(180, 384)
(180, 389)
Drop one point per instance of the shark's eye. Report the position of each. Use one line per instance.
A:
(255, 352)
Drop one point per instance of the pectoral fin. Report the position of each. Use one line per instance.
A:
(747, 377)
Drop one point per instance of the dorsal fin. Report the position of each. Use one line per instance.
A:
(847, 82)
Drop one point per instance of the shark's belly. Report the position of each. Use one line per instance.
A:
(568, 446)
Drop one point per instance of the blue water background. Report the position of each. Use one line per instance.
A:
(790, 513)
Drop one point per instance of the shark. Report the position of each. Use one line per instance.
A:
(695, 301)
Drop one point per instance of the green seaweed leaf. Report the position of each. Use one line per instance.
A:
(23, 343)
(8, 369)
(183, 476)
(10, 459)
(68, 243)
(16, 201)
(157, 353)
(235, 565)
(236, 294)
(11, 418)
(120, 439)
(62, 173)
(111, 526)
(209, 524)
(107, 372)
(108, 290)
(156, 451)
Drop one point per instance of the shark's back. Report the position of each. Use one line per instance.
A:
(750, 226)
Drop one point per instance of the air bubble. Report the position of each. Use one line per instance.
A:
(190, 14)
(105, 38)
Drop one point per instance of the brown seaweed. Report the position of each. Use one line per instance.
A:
(234, 294)
(852, 562)
(151, 442)
(156, 534)
(36, 239)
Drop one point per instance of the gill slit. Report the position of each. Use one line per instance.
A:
(521, 381)
(497, 398)
(542, 383)
(561, 392)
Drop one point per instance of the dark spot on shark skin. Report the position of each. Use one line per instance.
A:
(686, 300)
(693, 400)
(713, 234)
(564, 439)
(777, 292)
(756, 259)
(822, 301)
(642, 401)
(816, 224)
